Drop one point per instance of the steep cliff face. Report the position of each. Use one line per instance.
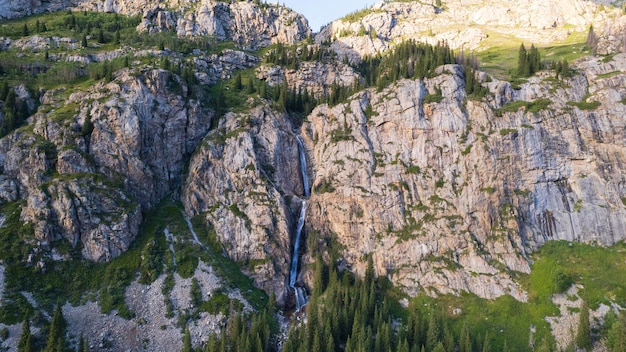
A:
(91, 161)
(250, 25)
(241, 180)
(449, 195)
(313, 76)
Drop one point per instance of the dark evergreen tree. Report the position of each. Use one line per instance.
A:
(196, 293)
(617, 334)
(465, 341)
(83, 41)
(592, 41)
(522, 61)
(187, 341)
(25, 344)
(56, 333)
(238, 85)
(250, 86)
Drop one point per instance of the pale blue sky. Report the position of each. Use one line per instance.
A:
(322, 12)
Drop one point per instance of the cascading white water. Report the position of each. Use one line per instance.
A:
(303, 169)
(301, 298)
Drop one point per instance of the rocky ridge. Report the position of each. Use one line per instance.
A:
(250, 24)
(467, 25)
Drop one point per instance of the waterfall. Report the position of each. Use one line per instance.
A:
(303, 169)
(301, 298)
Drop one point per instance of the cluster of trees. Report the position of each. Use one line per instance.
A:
(350, 312)
(473, 87)
(290, 56)
(14, 111)
(55, 341)
(243, 333)
(528, 61)
(409, 59)
(562, 69)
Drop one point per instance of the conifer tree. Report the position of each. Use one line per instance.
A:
(583, 335)
(486, 343)
(195, 292)
(25, 344)
(439, 347)
(238, 85)
(522, 61)
(432, 334)
(617, 334)
(465, 342)
(187, 341)
(250, 86)
(56, 334)
(592, 41)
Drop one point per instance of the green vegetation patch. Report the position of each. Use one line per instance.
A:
(601, 271)
(584, 105)
(532, 107)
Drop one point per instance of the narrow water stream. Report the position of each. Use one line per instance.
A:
(300, 292)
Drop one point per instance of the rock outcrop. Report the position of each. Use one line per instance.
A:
(249, 24)
(450, 195)
(242, 179)
(316, 77)
(94, 160)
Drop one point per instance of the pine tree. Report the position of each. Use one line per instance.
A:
(439, 347)
(25, 31)
(196, 293)
(238, 85)
(56, 335)
(116, 37)
(465, 342)
(522, 61)
(25, 343)
(432, 334)
(583, 335)
(592, 41)
(81, 343)
(250, 86)
(187, 341)
(83, 41)
(263, 90)
(617, 334)
(101, 36)
(486, 344)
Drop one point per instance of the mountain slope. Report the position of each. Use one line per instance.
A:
(164, 146)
